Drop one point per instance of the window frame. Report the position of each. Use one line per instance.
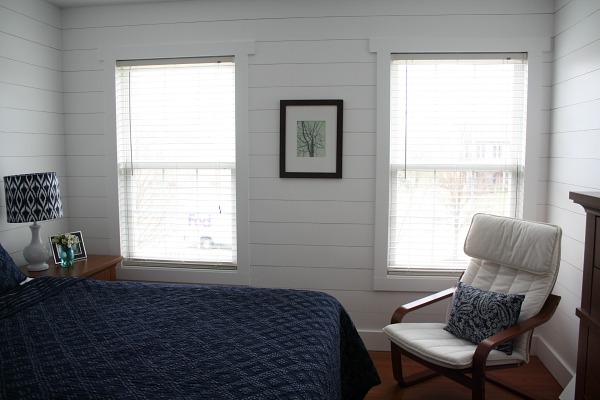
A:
(128, 167)
(384, 48)
(240, 51)
(473, 164)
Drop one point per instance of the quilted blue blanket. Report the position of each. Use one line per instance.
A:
(70, 338)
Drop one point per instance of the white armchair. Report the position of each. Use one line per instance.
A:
(513, 261)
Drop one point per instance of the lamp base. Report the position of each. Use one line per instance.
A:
(37, 267)
(36, 253)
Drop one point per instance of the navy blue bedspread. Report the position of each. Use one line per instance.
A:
(70, 338)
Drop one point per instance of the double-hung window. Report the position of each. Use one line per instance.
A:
(177, 162)
(457, 142)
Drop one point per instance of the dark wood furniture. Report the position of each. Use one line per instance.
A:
(100, 267)
(587, 385)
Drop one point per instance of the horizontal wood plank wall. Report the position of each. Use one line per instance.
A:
(574, 161)
(31, 107)
(312, 234)
(315, 234)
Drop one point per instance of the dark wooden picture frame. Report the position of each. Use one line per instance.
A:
(311, 138)
(78, 249)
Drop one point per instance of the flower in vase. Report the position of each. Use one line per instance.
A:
(65, 240)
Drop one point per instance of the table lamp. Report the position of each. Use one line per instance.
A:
(33, 198)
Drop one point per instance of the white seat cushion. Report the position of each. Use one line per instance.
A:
(432, 343)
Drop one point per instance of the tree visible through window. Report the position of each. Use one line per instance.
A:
(456, 148)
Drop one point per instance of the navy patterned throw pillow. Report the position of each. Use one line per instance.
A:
(10, 275)
(478, 314)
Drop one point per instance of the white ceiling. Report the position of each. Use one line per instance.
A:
(85, 3)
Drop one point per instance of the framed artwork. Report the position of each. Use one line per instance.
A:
(78, 249)
(310, 138)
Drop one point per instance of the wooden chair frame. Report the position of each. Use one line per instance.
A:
(477, 371)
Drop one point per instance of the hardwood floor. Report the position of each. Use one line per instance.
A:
(534, 377)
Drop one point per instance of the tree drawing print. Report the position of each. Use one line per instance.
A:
(310, 139)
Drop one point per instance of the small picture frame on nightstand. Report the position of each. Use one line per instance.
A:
(78, 249)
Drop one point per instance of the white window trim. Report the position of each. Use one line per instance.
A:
(537, 120)
(240, 51)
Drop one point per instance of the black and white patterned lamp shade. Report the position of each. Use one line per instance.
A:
(32, 197)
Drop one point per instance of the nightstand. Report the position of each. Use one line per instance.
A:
(101, 267)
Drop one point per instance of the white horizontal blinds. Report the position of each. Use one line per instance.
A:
(457, 148)
(176, 155)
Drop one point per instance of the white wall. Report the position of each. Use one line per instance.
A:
(574, 161)
(31, 106)
(315, 234)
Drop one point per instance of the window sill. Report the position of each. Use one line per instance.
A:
(428, 284)
(183, 275)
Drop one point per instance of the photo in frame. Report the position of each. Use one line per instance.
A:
(78, 249)
(311, 133)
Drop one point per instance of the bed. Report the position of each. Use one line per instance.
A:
(82, 338)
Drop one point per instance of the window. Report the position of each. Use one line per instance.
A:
(457, 137)
(177, 162)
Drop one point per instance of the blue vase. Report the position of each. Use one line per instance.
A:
(67, 257)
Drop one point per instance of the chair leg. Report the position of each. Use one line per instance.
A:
(399, 373)
(478, 385)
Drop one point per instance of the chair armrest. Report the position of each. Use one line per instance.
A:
(484, 348)
(415, 305)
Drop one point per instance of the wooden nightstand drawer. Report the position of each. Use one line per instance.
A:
(100, 267)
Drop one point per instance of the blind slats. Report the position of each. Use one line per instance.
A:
(176, 158)
(456, 148)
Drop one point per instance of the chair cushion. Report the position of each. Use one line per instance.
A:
(494, 239)
(478, 314)
(10, 275)
(431, 342)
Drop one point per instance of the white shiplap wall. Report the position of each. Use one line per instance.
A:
(315, 234)
(574, 161)
(31, 106)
